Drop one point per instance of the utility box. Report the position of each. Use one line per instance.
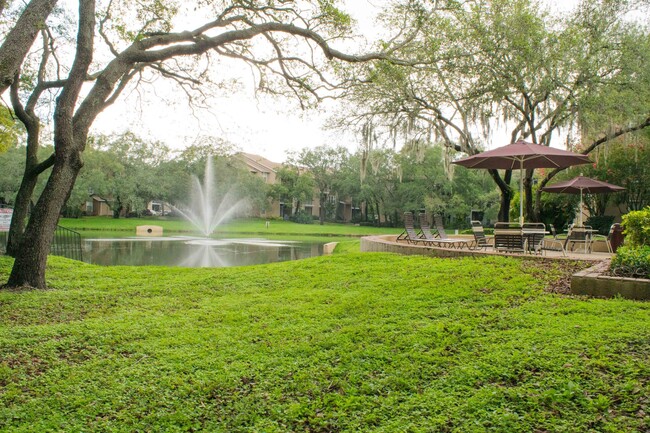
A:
(617, 237)
(148, 231)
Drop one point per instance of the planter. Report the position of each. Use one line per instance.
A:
(594, 282)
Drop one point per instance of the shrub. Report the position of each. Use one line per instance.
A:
(602, 223)
(631, 262)
(637, 227)
(71, 212)
(302, 217)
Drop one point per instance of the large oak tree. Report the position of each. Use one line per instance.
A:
(285, 40)
(511, 66)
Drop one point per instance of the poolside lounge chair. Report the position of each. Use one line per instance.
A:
(509, 237)
(425, 228)
(409, 234)
(442, 239)
(480, 240)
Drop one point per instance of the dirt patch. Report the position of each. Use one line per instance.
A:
(557, 273)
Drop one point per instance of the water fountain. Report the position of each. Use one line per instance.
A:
(206, 211)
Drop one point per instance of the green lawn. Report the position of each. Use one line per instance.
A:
(243, 226)
(345, 343)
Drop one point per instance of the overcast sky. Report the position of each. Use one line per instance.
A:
(268, 127)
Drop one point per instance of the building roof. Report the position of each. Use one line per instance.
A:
(258, 163)
(98, 198)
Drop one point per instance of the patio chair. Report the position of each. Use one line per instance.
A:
(579, 235)
(551, 228)
(509, 237)
(553, 243)
(534, 234)
(608, 238)
(480, 240)
(443, 239)
(409, 234)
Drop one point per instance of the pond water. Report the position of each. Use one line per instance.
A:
(194, 252)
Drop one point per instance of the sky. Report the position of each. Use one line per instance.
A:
(266, 126)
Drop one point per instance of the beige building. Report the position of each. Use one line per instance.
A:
(260, 166)
(98, 206)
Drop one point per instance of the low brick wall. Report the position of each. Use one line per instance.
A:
(592, 282)
(388, 244)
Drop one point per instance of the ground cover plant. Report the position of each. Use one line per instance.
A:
(243, 226)
(350, 342)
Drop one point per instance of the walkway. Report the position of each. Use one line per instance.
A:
(389, 243)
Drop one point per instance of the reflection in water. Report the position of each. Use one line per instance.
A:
(195, 252)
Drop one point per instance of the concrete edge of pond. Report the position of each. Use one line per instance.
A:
(594, 282)
(329, 247)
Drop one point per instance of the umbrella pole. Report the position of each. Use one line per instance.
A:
(580, 207)
(521, 191)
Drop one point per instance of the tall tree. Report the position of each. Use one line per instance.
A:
(35, 164)
(263, 34)
(323, 163)
(293, 185)
(506, 64)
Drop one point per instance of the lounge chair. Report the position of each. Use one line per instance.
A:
(425, 229)
(409, 234)
(509, 237)
(480, 240)
(442, 239)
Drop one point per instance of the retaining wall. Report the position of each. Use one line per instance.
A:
(593, 282)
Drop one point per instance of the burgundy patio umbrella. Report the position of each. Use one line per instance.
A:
(523, 155)
(581, 184)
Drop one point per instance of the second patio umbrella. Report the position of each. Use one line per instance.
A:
(581, 184)
(523, 155)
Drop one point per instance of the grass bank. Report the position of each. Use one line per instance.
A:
(345, 343)
(239, 226)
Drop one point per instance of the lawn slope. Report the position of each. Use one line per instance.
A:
(345, 343)
(242, 226)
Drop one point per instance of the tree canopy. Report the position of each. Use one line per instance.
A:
(514, 70)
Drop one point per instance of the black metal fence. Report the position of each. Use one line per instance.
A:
(66, 243)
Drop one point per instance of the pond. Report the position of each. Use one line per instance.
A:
(194, 252)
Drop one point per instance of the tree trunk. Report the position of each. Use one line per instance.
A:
(506, 193)
(69, 141)
(21, 211)
(321, 210)
(529, 213)
(29, 266)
